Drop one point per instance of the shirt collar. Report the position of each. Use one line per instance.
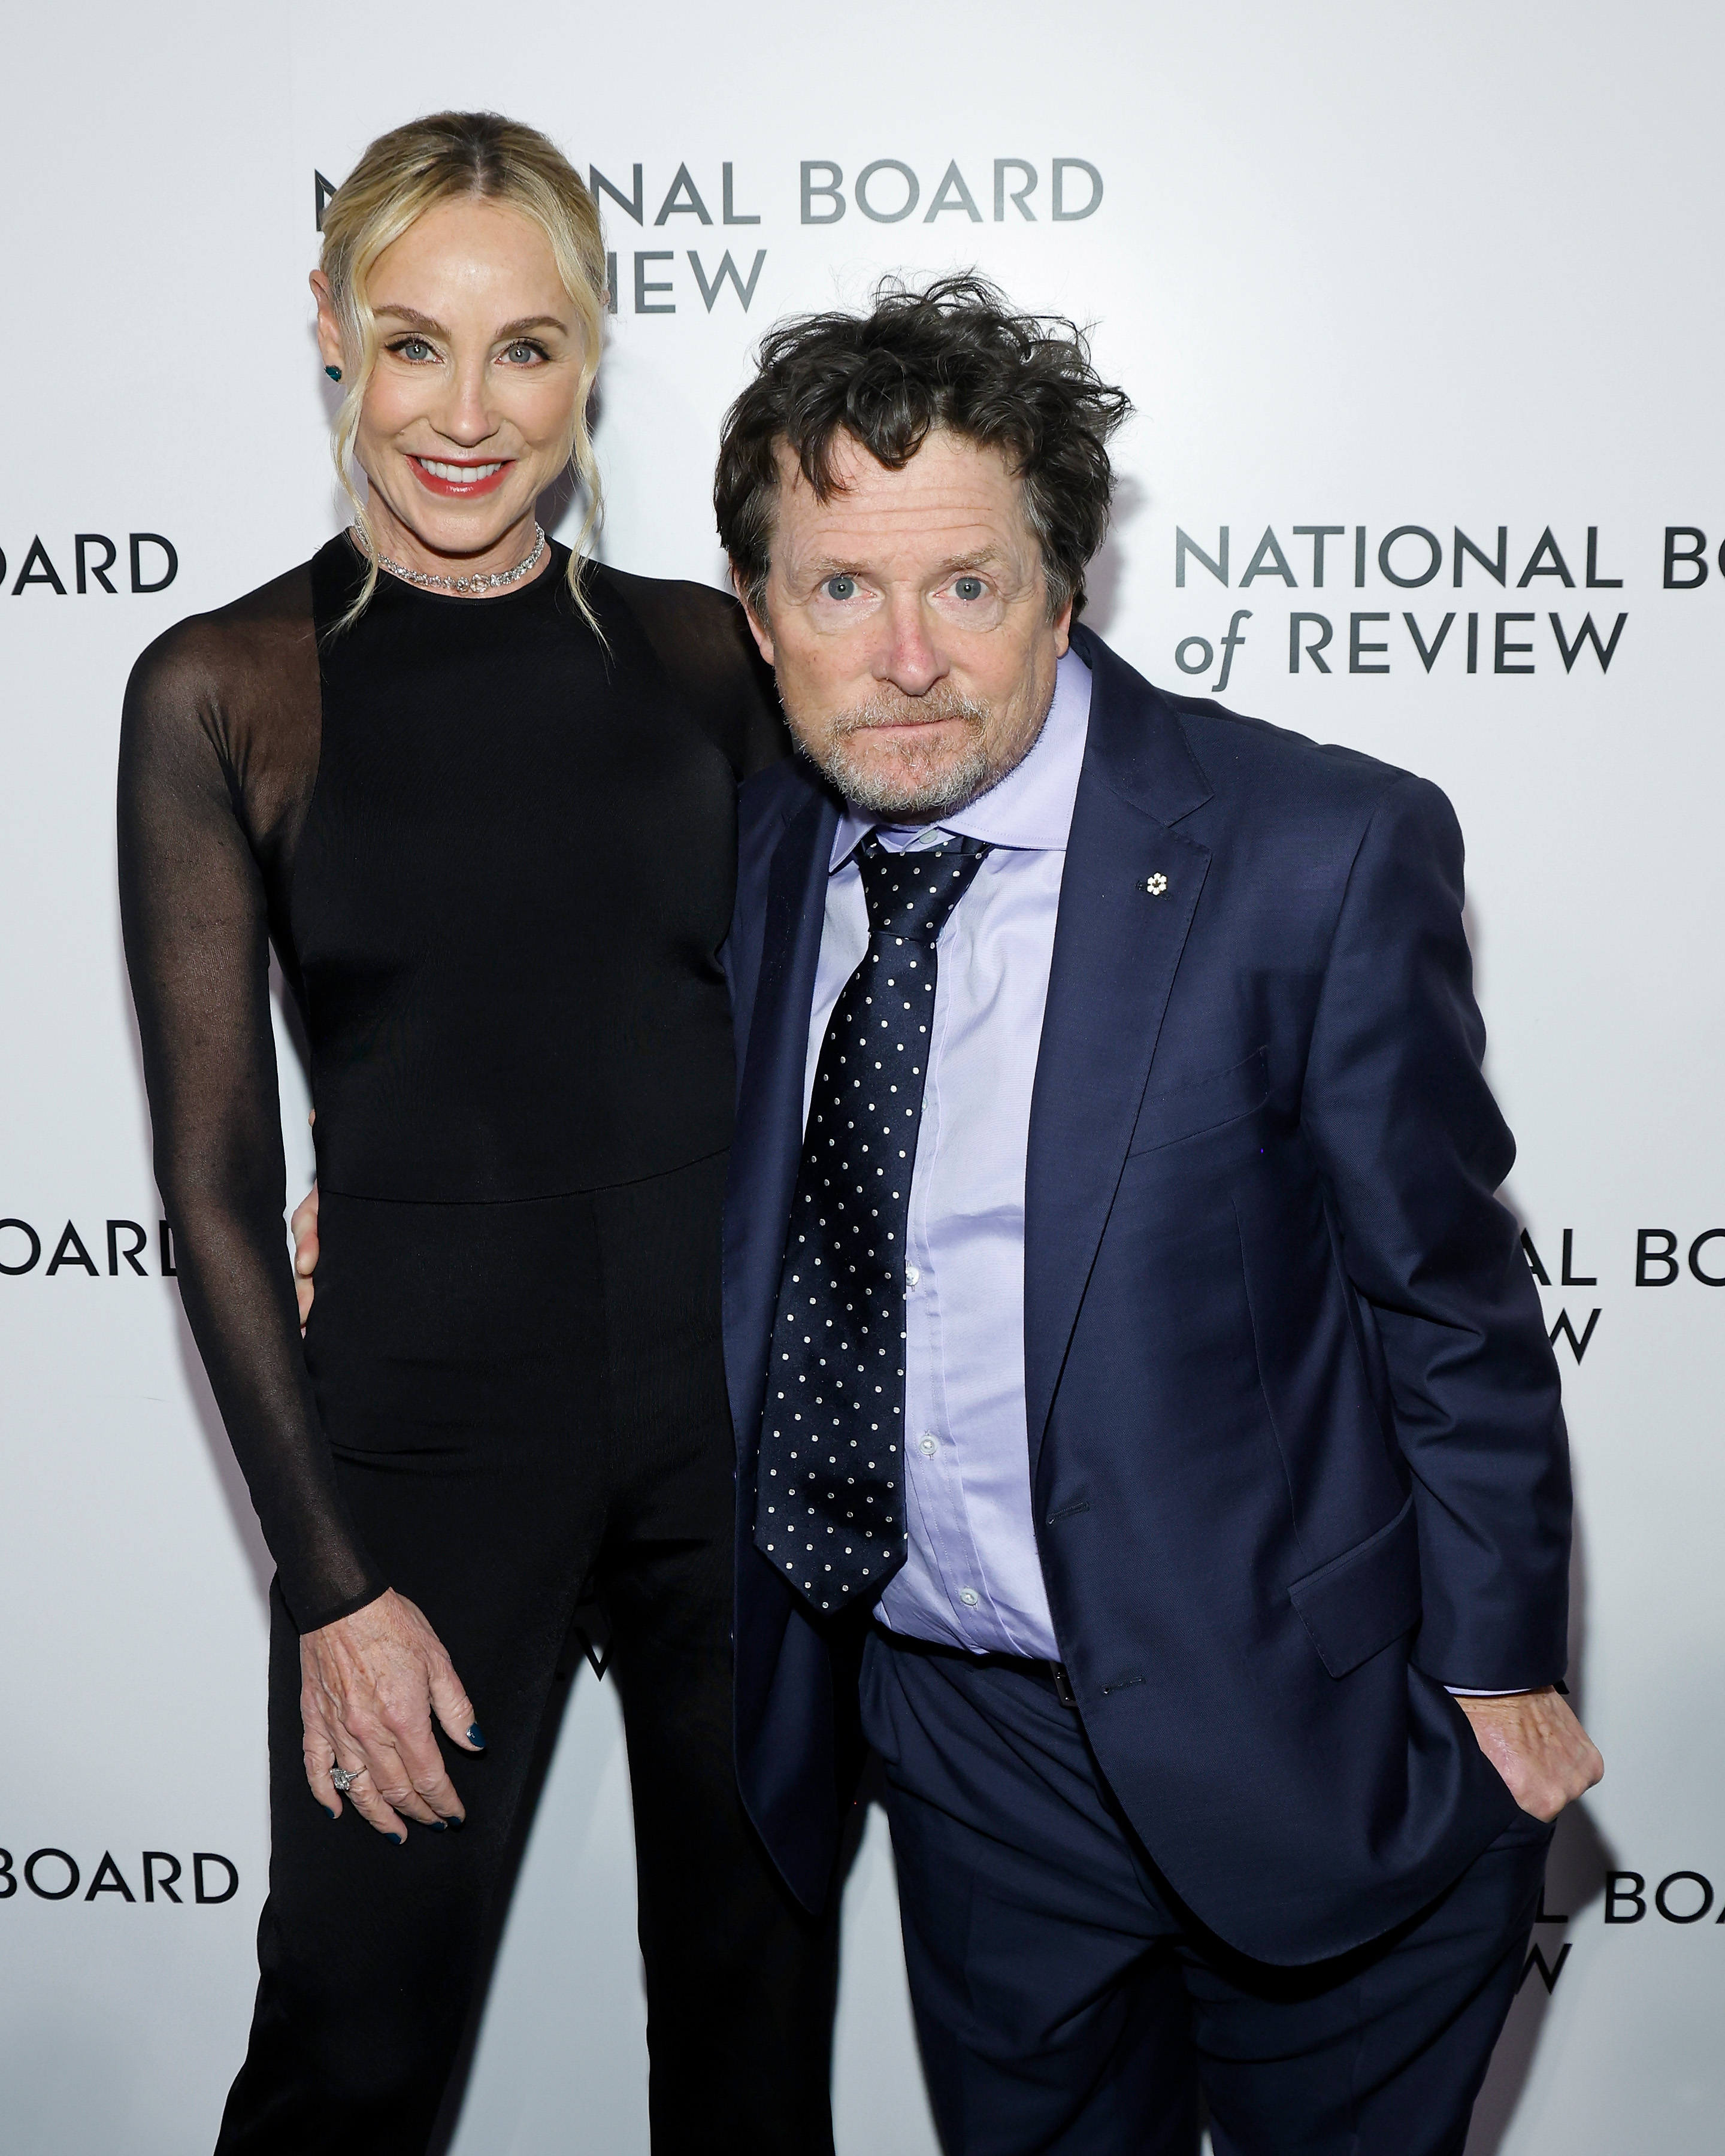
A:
(1031, 807)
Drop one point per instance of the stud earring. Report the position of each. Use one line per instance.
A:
(333, 372)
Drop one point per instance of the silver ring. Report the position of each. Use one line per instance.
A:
(343, 1781)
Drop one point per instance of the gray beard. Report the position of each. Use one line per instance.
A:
(908, 786)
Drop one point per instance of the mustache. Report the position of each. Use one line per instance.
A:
(895, 709)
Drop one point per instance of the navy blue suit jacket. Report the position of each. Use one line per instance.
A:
(1296, 1455)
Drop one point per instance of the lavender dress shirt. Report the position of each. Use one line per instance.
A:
(972, 1578)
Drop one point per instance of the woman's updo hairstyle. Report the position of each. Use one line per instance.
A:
(400, 176)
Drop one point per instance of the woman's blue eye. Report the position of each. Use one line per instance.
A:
(524, 353)
(841, 588)
(413, 348)
(968, 588)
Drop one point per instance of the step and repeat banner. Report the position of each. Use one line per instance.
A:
(1421, 314)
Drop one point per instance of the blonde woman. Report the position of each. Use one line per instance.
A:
(480, 796)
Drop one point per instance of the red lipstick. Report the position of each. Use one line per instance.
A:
(449, 477)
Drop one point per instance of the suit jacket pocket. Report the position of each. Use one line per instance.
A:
(1358, 1603)
(1172, 1112)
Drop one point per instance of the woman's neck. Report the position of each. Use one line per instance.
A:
(400, 550)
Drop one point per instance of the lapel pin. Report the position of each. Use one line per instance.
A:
(1156, 886)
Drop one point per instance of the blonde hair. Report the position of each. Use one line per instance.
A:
(400, 176)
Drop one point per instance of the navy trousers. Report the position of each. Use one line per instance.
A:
(1066, 2002)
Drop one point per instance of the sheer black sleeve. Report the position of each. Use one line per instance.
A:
(219, 752)
(701, 639)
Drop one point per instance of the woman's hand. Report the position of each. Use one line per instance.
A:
(369, 1685)
(303, 1227)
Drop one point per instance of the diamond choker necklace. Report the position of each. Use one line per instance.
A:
(475, 587)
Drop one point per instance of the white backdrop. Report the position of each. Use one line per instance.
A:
(1360, 267)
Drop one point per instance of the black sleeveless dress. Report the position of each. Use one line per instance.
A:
(494, 855)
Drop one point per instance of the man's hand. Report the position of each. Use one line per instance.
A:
(304, 1227)
(1544, 1755)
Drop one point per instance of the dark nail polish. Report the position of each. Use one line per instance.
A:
(396, 1839)
(475, 1735)
(437, 1826)
(333, 1814)
(458, 1822)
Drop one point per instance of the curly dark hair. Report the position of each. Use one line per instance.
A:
(954, 354)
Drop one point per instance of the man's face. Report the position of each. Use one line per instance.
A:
(907, 620)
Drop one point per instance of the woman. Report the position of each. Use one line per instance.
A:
(480, 795)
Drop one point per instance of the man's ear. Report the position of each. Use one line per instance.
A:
(1061, 623)
(757, 625)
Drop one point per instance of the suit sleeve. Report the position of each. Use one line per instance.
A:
(1413, 1150)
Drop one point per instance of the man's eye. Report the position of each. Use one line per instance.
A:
(968, 588)
(840, 587)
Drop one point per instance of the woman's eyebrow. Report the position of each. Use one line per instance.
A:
(415, 320)
(412, 316)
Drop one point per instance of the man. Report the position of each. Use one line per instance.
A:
(1137, 1384)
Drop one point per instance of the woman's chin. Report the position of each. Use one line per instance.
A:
(459, 539)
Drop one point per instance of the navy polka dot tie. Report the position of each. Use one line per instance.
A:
(830, 1509)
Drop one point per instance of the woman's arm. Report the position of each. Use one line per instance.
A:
(193, 906)
(373, 1672)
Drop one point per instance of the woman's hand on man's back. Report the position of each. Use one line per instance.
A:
(303, 1226)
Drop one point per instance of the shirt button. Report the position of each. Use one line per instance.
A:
(969, 1597)
(912, 1274)
(930, 1446)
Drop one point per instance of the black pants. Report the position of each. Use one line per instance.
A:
(1068, 2006)
(526, 1400)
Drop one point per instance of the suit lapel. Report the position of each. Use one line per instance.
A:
(1118, 946)
(767, 1143)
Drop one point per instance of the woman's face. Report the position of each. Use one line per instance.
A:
(467, 416)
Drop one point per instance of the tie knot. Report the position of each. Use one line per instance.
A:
(911, 894)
